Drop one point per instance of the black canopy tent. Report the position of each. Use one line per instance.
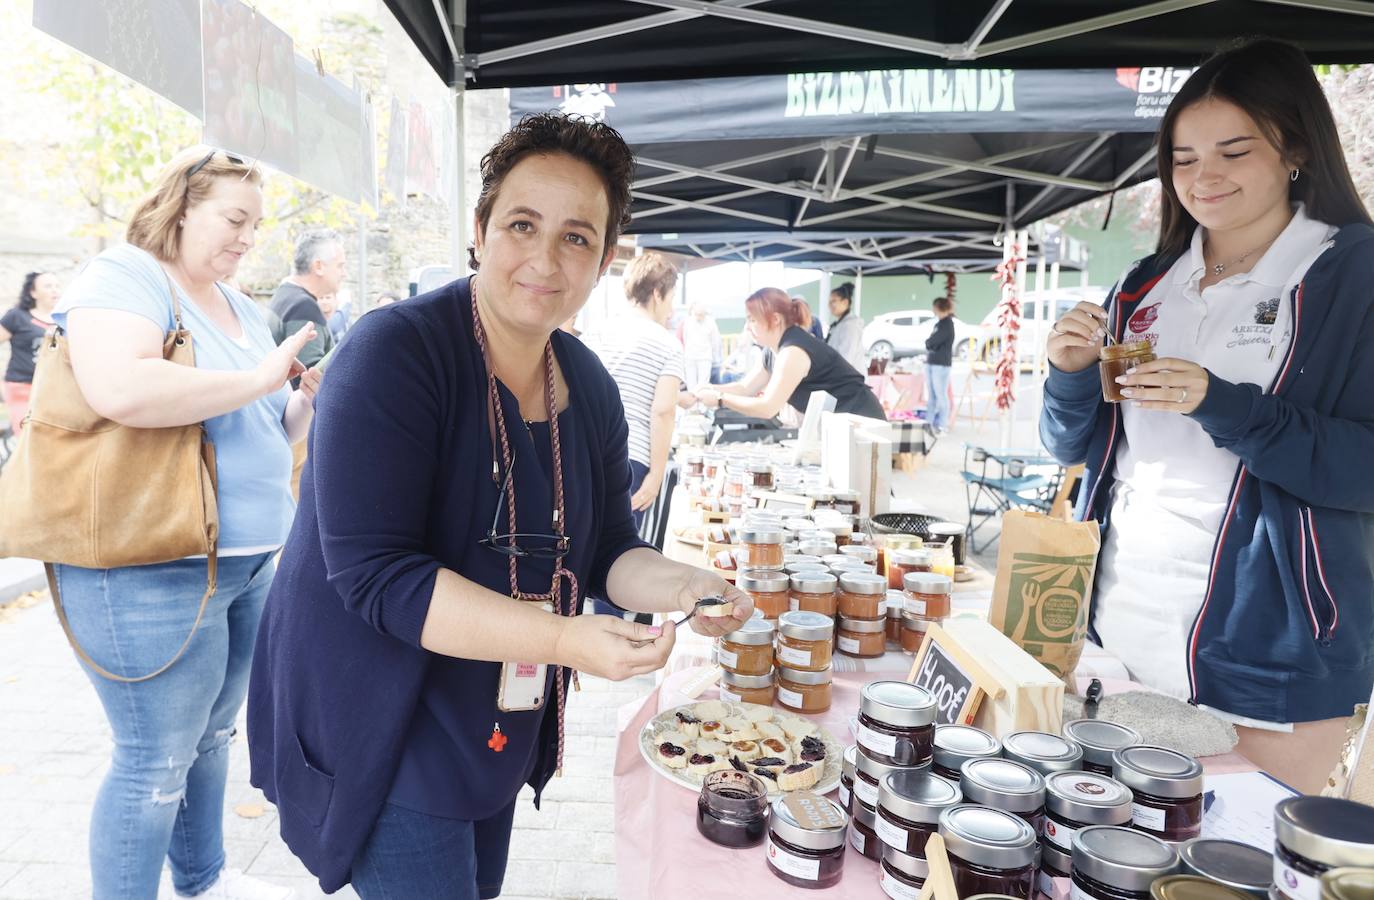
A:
(512, 43)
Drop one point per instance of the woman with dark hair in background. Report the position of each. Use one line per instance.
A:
(23, 326)
(1237, 570)
(846, 333)
(798, 365)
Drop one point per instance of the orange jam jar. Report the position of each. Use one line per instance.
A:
(762, 544)
(748, 650)
(861, 553)
(862, 638)
(761, 476)
(805, 640)
(768, 587)
(901, 563)
(927, 594)
(814, 591)
(747, 688)
(896, 604)
(862, 595)
(1115, 359)
(847, 502)
(913, 631)
(843, 532)
(804, 691)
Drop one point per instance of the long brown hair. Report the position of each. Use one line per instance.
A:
(1273, 82)
(770, 300)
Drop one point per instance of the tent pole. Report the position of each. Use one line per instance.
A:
(457, 33)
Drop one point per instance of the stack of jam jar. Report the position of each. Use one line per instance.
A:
(746, 655)
(927, 602)
(861, 631)
(803, 653)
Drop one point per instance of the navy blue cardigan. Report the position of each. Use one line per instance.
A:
(399, 451)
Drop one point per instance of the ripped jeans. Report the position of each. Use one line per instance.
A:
(163, 796)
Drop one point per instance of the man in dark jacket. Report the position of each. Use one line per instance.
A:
(319, 271)
(939, 359)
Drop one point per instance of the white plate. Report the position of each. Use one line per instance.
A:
(667, 721)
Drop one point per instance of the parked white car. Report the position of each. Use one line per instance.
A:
(1035, 331)
(897, 334)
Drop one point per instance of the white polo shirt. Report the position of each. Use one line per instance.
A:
(1172, 481)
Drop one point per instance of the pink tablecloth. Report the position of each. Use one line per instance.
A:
(659, 853)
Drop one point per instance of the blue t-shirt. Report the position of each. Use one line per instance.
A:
(253, 458)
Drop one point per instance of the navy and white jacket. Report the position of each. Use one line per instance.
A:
(1286, 628)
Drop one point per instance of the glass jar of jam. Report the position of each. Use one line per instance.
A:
(893, 605)
(734, 485)
(901, 563)
(748, 688)
(693, 464)
(861, 595)
(1230, 863)
(1313, 835)
(861, 834)
(813, 546)
(896, 722)
(909, 807)
(821, 498)
(711, 464)
(957, 744)
(1005, 785)
(1052, 876)
(748, 650)
(805, 691)
(805, 640)
(1075, 800)
(1167, 787)
(1192, 887)
(914, 629)
(847, 778)
(1114, 863)
(1115, 359)
(732, 809)
(761, 546)
(927, 594)
(990, 851)
(769, 588)
(810, 855)
(1099, 740)
(761, 474)
(846, 502)
(842, 532)
(902, 875)
(1045, 753)
(868, 774)
(861, 638)
(800, 559)
(861, 553)
(814, 592)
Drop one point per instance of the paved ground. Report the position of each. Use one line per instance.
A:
(54, 749)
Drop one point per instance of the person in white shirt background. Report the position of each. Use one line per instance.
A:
(846, 333)
(700, 346)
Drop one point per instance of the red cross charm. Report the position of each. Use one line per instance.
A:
(498, 740)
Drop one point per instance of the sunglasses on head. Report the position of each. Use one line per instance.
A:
(190, 173)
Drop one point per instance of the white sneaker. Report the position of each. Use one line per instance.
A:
(234, 885)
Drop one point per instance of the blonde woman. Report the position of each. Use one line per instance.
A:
(163, 796)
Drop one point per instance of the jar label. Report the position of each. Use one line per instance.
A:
(794, 656)
(1295, 884)
(848, 645)
(1077, 893)
(886, 744)
(727, 658)
(844, 796)
(890, 834)
(729, 695)
(857, 839)
(1044, 881)
(789, 698)
(790, 863)
(894, 888)
(793, 604)
(866, 792)
(1147, 818)
(915, 606)
(1059, 835)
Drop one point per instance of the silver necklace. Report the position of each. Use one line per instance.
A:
(1220, 268)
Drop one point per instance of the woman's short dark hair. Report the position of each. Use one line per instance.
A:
(594, 143)
(1273, 82)
(844, 291)
(27, 301)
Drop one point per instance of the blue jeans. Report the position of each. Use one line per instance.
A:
(411, 855)
(937, 391)
(163, 796)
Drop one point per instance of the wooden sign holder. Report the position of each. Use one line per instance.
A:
(939, 883)
(983, 684)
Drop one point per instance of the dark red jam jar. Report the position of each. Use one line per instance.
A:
(1168, 791)
(1099, 741)
(1052, 876)
(1075, 800)
(1005, 785)
(990, 851)
(1313, 835)
(1114, 863)
(733, 809)
(868, 774)
(957, 744)
(909, 807)
(897, 723)
(1043, 752)
(806, 857)
(902, 875)
(1230, 863)
(847, 779)
(861, 834)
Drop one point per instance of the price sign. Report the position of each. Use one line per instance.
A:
(952, 676)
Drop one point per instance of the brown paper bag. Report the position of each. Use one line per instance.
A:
(1044, 581)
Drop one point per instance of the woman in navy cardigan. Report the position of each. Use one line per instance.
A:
(468, 481)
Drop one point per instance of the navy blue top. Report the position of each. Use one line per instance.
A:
(345, 709)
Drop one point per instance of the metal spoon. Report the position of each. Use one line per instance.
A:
(704, 601)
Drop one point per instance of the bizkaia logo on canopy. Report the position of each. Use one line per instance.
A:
(1154, 87)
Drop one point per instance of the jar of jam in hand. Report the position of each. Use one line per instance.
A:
(1116, 359)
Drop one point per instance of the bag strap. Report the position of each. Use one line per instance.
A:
(176, 304)
(212, 582)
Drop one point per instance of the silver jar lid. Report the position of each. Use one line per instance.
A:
(863, 583)
(751, 633)
(761, 533)
(877, 771)
(853, 566)
(848, 496)
(948, 529)
(1122, 858)
(748, 682)
(804, 625)
(899, 704)
(796, 559)
(1231, 863)
(838, 529)
(1002, 784)
(1100, 739)
(927, 583)
(815, 548)
(957, 744)
(1056, 858)
(1088, 798)
(760, 466)
(800, 676)
(1043, 752)
(865, 816)
(860, 552)
(988, 837)
(820, 494)
(917, 796)
(786, 827)
(911, 866)
(763, 580)
(1326, 830)
(836, 559)
(798, 524)
(805, 567)
(814, 582)
(863, 626)
(916, 556)
(848, 763)
(1157, 771)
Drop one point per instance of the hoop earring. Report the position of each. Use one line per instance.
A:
(1293, 175)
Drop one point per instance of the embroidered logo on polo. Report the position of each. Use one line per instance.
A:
(1141, 320)
(1267, 311)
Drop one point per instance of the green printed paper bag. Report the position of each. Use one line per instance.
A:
(1045, 572)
